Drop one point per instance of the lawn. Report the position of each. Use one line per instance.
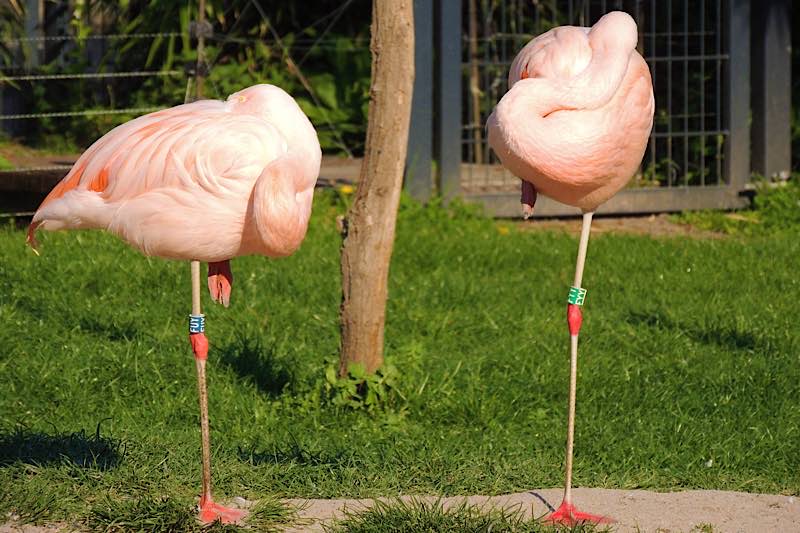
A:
(689, 373)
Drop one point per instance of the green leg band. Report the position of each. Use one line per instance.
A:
(576, 295)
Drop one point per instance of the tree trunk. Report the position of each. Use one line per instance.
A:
(370, 224)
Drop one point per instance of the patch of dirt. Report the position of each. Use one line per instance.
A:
(21, 156)
(653, 225)
(634, 511)
(19, 528)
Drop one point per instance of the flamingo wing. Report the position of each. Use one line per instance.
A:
(560, 53)
(199, 146)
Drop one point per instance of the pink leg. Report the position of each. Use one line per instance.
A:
(209, 511)
(567, 513)
(220, 282)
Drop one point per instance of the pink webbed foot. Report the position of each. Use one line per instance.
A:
(567, 514)
(212, 512)
(220, 281)
(528, 199)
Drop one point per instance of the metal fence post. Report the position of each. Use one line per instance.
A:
(772, 88)
(737, 151)
(448, 97)
(34, 19)
(420, 140)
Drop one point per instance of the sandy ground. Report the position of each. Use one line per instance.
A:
(634, 510)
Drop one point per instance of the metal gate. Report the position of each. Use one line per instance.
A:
(698, 51)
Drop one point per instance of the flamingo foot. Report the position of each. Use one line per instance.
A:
(220, 282)
(213, 512)
(569, 515)
(528, 199)
(30, 239)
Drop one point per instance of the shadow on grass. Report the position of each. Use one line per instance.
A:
(294, 454)
(724, 336)
(78, 449)
(259, 364)
(108, 329)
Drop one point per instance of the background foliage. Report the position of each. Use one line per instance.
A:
(327, 40)
(317, 51)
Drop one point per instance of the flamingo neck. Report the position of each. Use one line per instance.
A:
(280, 205)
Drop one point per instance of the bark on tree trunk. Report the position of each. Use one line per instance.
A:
(370, 224)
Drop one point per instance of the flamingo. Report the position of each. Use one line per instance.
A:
(574, 125)
(205, 181)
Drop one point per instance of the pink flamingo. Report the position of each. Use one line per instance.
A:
(206, 181)
(574, 125)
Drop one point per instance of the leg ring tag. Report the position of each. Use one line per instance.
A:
(197, 323)
(576, 296)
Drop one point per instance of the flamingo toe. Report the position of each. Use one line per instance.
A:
(569, 515)
(30, 239)
(212, 512)
(220, 282)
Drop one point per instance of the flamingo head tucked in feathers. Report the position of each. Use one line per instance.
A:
(271, 103)
(277, 108)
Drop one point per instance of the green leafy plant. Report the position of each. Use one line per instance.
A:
(776, 207)
(778, 203)
(360, 390)
(324, 65)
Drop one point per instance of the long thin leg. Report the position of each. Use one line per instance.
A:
(567, 513)
(209, 511)
(573, 350)
(202, 389)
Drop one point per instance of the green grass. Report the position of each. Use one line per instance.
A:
(776, 207)
(5, 164)
(689, 372)
(157, 515)
(419, 516)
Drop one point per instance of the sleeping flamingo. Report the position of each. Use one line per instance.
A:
(205, 181)
(574, 125)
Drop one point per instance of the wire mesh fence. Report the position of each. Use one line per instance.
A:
(683, 42)
(89, 79)
(68, 76)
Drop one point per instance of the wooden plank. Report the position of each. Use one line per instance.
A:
(23, 190)
(628, 201)
(39, 181)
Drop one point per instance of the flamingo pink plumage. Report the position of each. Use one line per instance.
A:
(574, 125)
(205, 181)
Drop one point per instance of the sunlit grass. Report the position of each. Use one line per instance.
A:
(689, 372)
(419, 516)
